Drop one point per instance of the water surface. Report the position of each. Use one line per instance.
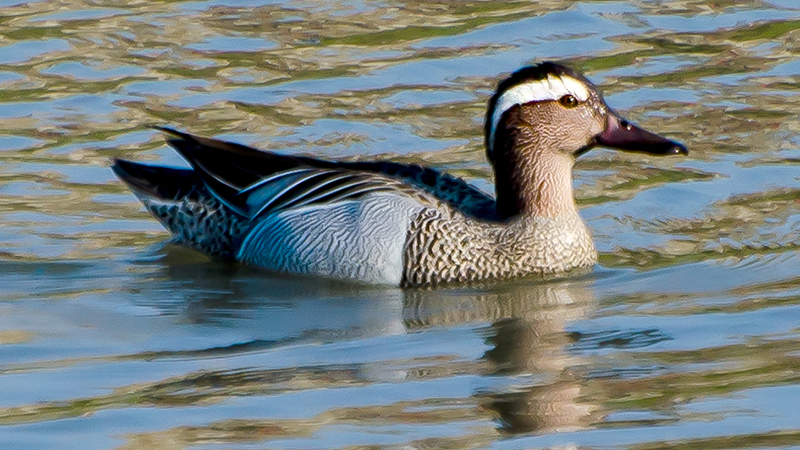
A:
(685, 336)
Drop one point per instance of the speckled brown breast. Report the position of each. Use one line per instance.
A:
(444, 246)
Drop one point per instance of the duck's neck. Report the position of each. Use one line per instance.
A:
(532, 181)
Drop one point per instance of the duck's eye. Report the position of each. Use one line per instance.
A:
(568, 101)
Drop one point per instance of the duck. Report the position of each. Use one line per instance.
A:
(389, 223)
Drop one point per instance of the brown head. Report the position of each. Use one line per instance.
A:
(540, 119)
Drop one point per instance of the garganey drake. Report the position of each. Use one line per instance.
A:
(398, 224)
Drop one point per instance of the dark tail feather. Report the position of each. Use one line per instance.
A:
(165, 183)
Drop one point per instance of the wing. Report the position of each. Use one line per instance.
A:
(255, 182)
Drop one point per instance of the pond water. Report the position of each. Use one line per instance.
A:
(687, 335)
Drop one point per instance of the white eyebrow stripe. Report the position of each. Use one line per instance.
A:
(577, 88)
(551, 88)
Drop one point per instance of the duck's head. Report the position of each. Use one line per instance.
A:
(567, 111)
(541, 118)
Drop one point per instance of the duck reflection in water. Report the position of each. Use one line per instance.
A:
(535, 385)
(531, 376)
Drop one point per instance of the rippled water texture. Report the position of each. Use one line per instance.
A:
(685, 336)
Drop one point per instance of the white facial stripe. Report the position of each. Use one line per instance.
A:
(551, 88)
(578, 89)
